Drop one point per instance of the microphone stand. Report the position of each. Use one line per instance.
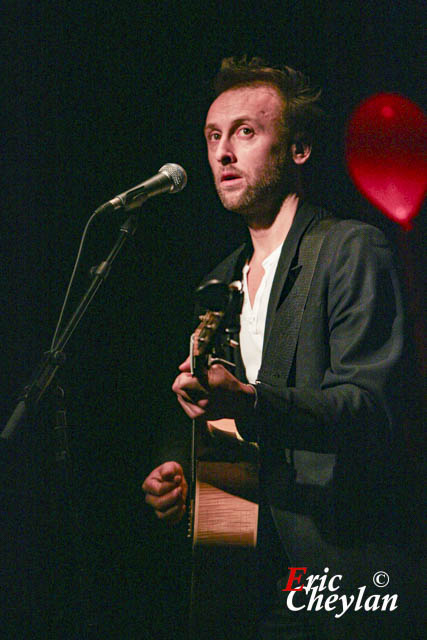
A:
(53, 359)
(30, 399)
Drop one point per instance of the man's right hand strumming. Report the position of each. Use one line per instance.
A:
(166, 491)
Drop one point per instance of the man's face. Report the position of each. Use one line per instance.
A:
(247, 148)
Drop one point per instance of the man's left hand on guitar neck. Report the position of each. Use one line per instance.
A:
(218, 395)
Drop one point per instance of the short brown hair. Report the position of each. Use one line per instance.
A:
(301, 113)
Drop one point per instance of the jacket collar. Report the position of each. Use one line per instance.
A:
(303, 217)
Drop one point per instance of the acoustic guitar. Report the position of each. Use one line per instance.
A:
(223, 490)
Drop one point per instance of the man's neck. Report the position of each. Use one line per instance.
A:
(268, 236)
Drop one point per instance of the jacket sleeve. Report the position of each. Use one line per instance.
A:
(352, 404)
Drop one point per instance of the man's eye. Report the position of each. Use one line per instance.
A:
(245, 132)
(214, 136)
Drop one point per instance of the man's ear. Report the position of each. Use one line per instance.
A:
(300, 152)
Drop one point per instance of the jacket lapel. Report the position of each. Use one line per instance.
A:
(286, 272)
(303, 217)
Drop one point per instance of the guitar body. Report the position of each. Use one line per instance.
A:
(225, 519)
(226, 497)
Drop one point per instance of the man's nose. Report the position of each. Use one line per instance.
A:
(225, 152)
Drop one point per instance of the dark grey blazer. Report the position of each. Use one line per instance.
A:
(329, 431)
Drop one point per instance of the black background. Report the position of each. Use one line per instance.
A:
(98, 97)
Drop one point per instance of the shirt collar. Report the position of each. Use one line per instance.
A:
(269, 261)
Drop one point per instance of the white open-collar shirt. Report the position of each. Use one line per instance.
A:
(252, 319)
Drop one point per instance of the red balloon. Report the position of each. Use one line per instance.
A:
(386, 154)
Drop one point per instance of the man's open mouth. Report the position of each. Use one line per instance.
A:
(228, 177)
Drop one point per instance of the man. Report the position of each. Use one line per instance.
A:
(323, 416)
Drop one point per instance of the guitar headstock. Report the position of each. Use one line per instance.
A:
(219, 326)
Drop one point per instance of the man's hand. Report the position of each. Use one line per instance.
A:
(218, 395)
(166, 491)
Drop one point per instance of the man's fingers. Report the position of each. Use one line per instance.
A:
(186, 365)
(187, 383)
(199, 400)
(193, 411)
(164, 478)
(184, 491)
(169, 469)
(172, 515)
(159, 487)
(162, 502)
(166, 491)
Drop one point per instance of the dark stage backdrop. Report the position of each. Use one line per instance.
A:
(97, 97)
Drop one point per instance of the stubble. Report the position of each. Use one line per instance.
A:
(264, 197)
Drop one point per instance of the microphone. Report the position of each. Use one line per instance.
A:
(171, 178)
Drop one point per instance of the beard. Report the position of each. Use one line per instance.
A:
(266, 193)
